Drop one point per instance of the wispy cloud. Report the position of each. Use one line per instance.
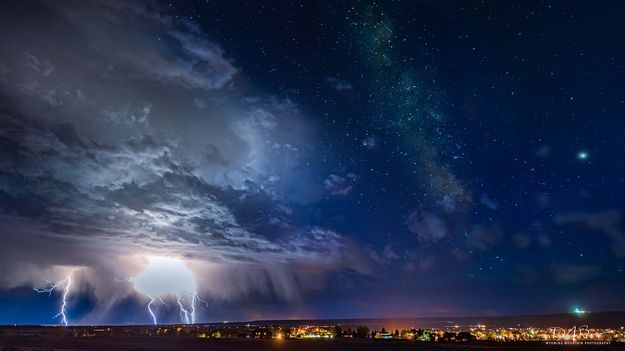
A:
(339, 84)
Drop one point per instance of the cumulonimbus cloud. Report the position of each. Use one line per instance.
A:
(117, 142)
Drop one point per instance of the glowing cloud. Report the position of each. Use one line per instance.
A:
(168, 277)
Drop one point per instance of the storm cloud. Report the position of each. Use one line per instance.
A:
(117, 141)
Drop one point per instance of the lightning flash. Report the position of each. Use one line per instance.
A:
(63, 285)
(188, 316)
(169, 277)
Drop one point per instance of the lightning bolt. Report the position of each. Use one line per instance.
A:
(150, 310)
(184, 314)
(188, 315)
(65, 286)
(161, 300)
(152, 301)
(196, 299)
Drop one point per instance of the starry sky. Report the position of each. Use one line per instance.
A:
(312, 159)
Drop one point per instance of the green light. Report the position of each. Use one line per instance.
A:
(582, 155)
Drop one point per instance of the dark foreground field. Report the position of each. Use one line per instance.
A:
(55, 343)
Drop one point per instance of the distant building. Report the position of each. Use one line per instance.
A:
(262, 333)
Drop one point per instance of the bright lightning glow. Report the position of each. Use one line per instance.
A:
(65, 286)
(169, 277)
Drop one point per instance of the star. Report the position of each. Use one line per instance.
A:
(582, 155)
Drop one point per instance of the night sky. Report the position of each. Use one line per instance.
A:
(311, 159)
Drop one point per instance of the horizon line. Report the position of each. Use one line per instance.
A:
(307, 320)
